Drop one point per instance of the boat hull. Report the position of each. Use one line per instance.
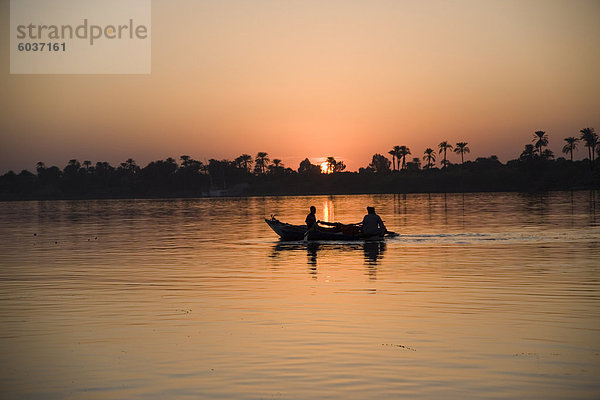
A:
(318, 234)
(299, 232)
(287, 231)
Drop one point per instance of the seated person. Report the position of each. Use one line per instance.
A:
(311, 218)
(372, 223)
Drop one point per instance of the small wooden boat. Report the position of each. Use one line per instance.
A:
(286, 231)
(323, 231)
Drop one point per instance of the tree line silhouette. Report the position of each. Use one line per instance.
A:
(535, 169)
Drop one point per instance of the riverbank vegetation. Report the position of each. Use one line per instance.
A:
(536, 169)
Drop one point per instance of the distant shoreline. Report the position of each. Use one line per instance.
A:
(485, 175)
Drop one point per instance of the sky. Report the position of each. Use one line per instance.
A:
(318, 78)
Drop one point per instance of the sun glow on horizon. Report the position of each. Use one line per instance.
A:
(315, 79)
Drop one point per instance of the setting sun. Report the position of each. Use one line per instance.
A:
(325, 168)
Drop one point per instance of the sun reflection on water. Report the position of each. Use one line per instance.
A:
(328, 214)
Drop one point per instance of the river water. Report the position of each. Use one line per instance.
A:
(482, 296)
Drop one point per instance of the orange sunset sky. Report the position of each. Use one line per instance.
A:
(319, 78)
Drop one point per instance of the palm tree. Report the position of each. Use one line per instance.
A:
(394, 153)
(331, 163)
(591, 141)
(276, 167)
(130, 164)
(570, 146)
(547, 154)
(87, 164)
(540, 140)
(40, 167)
(185, 160)
(334, 166)
(403, 152)
(244, 161)
(380, 164)
(444, 146)
(339, 166)
(461, 148)
(528, 153)
(103, 168)
(71, 169)
(260, 162)
(306, 167)
(429, 157)
(74, 163)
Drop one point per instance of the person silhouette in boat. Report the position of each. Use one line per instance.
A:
(311, 218)
(372, 223)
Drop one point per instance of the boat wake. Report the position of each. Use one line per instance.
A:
(482, 238)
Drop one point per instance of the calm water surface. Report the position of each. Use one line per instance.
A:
(483, 296)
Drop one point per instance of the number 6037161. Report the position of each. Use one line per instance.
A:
(42, 46)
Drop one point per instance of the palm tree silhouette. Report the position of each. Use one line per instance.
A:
(461, 148)
(74, 163)
(429, 157)
(133, 168)
(570, 146)
(528, 153)
(591, 141)
(276, 167)
(403, 152)
(394, 153)
(331, 162)
(261, 162)
(444, 146)
(40, 167)
(547, 154)
(185, 160)
(540, 140)
(339, 166)
(245, 160)
(71, 169)
(379, 164)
